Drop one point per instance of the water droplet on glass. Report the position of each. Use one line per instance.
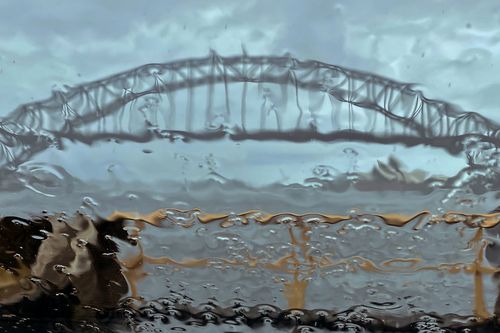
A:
(89, 201)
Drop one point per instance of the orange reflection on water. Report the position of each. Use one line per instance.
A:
(300, 266)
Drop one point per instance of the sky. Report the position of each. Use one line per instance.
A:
(451, 49)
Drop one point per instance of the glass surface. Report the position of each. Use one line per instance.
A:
(249, 167)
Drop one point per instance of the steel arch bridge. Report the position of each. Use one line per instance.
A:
(240, 97)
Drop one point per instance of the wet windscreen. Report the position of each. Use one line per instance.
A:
(158, 176)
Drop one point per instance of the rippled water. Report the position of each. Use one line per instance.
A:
(248, 194)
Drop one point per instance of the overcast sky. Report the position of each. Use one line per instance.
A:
(451, 48)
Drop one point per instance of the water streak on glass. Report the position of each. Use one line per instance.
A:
(248, 193)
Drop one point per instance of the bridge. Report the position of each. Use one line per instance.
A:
(240, 97)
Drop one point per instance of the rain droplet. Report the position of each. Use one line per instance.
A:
(89, 201)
